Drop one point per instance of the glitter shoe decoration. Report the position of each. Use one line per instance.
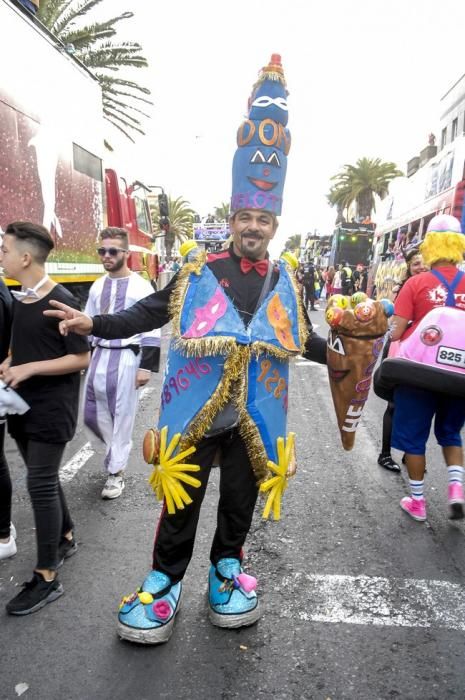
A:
(147, 616)
(232, 598)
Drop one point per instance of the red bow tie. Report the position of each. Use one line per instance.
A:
(261, 266)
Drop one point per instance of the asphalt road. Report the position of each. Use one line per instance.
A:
(360, 602)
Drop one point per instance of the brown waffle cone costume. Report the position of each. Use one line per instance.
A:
(352, 351)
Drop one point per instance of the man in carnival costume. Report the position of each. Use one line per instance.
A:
(237, 320)
(428, 365)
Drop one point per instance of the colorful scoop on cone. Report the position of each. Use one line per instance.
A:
(355, 340)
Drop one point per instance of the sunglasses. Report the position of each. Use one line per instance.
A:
(111, 251)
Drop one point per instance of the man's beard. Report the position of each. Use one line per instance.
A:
(251, 254)
(116, 267)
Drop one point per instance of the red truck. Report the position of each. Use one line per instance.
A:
(52, 155)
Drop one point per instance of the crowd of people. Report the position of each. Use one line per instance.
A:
(46, 374)
(316, 283)
(237, 320)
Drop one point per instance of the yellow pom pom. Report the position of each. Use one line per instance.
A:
(290, 259)
(187, 247)
(145, 598)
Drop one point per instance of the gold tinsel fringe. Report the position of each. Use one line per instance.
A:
(254, 444)
(202, 347)
(260, 347)
(248, 430)
(234, 368)
(180, 290)
(301, 324)
(235, 371)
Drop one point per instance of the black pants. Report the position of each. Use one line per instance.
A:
(387, 428)
(175, 536)
(309, 296)
(5, 489)
(52, 518)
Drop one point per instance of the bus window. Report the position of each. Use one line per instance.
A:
(143, 222)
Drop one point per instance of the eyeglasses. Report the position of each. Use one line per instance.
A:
(111, 251)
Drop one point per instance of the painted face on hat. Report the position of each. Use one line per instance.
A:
(262, 173)
(263, 143)
(270, 102)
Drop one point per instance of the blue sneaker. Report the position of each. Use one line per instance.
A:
(231, 595)
(147, 616)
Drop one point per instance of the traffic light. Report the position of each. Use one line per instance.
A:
(163, 207)
(164, 223)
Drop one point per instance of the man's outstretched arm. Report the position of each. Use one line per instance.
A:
(315, 347)
(145, 315)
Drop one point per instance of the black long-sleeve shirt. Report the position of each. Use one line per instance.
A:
(6, 304)
(243, 290)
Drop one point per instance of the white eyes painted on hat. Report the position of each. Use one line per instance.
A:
(258, 157)
(335, 343)
(273, 159)
(265, 101)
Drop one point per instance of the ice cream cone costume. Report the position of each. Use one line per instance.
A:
(355, 340)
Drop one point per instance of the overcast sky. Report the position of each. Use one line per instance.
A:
(365, 79)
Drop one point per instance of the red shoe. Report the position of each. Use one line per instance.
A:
(415, 507)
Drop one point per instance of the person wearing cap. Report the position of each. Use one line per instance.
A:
(237, 319)
(414, 408)
(44, 369)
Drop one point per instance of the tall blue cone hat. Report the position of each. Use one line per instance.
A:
(263, 143)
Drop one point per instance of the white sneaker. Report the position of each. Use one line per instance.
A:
(114, 486)
(12, 531)
(8, 549)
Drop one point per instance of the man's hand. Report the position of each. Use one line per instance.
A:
(70, 319)
(13, 376)
(142, 378)
(4, 366)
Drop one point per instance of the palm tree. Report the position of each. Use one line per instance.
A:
(340, 196)
(222, 212)
(92, 44)
(181, 220)
(293, 242)
(360, 183)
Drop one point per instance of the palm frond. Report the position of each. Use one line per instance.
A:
(109, 89)
(113, 57)
(65, 18)
(125, 83)
(95, 48)
(109, 100)
(114, 114)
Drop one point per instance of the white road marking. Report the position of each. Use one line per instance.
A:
(146, 391)
(372, 600)
(69, 470)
